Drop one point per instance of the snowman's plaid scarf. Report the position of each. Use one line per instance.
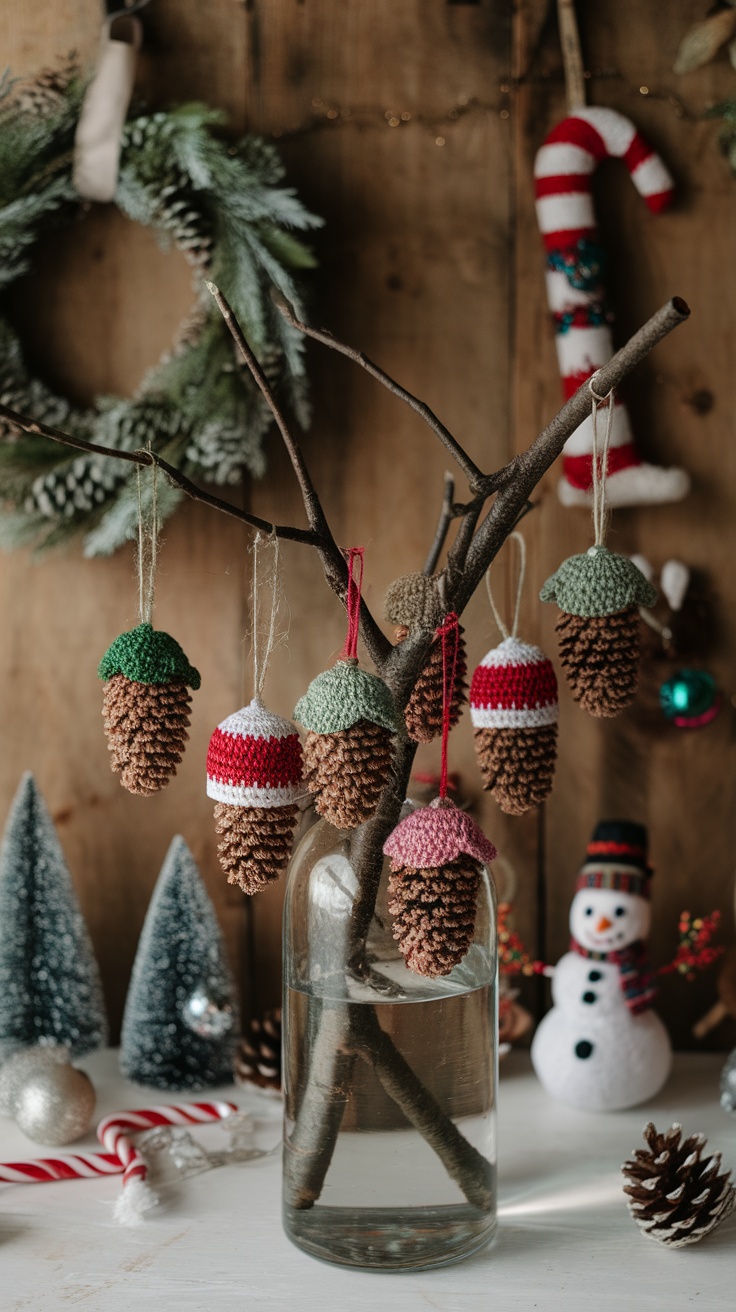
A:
(636, 976)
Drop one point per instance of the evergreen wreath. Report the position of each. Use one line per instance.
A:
(223, 207)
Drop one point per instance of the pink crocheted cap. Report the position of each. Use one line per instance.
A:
(514, 687)
(434, 836)
(255, 759)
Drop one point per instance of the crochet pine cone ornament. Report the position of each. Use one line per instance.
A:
(676, 1194)
(146, 703)
(413, 602)
(254, 771)
(351, 720)
(436, 855)
(514, 709)
(599, 594)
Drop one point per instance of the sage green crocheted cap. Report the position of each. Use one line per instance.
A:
(341, 696)
(148, 655)
(599, 582)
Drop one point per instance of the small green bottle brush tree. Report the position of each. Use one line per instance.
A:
(482, 530)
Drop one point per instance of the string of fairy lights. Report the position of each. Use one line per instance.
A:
(329, 115)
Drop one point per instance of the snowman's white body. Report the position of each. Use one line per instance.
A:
(590, 1050)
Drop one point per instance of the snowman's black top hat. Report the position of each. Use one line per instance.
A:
(616, 857)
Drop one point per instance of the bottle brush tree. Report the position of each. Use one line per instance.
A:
(50, 990)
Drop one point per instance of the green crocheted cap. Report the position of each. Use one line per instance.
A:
(148, 655)
(341, 696)
(599, 582)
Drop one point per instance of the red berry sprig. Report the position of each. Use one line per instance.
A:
(695, 951)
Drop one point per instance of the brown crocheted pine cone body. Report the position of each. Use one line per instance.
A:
(256, 842)
(423, 713)
(434, 914)
(600, 657)
(517, 765)
(347, 771)
(146, 726)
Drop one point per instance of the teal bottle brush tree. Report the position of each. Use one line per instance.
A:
(482, 528)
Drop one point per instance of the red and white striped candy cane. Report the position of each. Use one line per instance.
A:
(114, 1132)
(81, 1166)
(122, 1156)
(563, 172)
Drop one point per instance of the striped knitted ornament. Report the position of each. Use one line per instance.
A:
(351, 721)
(599, 594)
(563, 172)
(436, 858)
(254, 771)
(514, 710)
(146, 703)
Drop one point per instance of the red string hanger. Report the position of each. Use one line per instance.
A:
(352, 601)
(352, 721)
(449, 635)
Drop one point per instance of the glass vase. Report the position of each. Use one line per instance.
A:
(389, 1076)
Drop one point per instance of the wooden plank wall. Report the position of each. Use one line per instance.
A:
(430, 261)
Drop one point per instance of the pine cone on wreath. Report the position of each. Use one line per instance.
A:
(254, 771)
(146, 706)
(514, 709)
(436, 855)
(599, 593)
(413, 602)
(258, 1059)
(351, 721)
(675, 1194)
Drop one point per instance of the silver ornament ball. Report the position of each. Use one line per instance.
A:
(16, 1070)
(55, 1106)
(209, 1017)
(728, 1084)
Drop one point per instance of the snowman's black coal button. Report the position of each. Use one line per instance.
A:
(590, 996)
(594, 976)
(583, 1049)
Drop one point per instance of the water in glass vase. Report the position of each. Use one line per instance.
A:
(388, 1197)
(389, 1083)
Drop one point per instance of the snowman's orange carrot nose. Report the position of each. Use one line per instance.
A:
(603, 924)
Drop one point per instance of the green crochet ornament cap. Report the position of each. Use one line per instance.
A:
(148, 655)
(598, 582)
(337, 699)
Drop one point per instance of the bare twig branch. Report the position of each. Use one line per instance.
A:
(443, 525)
(34, 426)
(476, 478)
(333, 560)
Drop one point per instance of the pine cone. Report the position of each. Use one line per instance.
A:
(258, 1059)
(146, 726)
(423, 713)
(675, 1194)
(434, 914)
(256, 843)
(347, 771)
(517, 765)
(600, 657)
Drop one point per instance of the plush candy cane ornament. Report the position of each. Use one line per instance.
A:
(563, 172)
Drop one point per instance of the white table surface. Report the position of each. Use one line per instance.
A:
(565, 1237)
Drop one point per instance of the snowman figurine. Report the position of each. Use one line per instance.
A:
(602, 1047)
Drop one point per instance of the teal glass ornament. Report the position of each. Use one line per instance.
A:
(690, 698)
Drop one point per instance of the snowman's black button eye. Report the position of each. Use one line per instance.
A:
(588, 911)
(620, 911)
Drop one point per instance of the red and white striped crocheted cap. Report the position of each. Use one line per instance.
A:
(255, 759)
(514, 687)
